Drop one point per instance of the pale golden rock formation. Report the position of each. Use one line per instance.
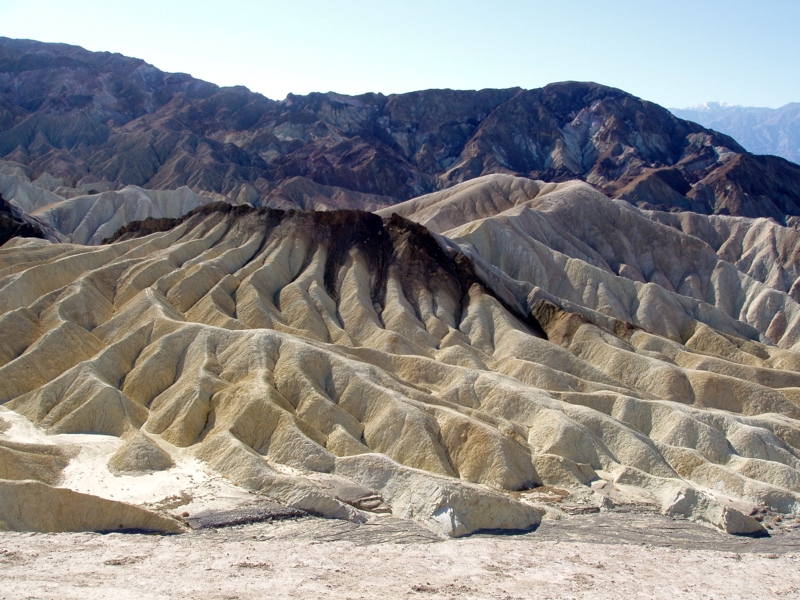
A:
(17, 188)
(761, 248)
(446, 376)
(94, 211)
(35, 506)
(140, 454)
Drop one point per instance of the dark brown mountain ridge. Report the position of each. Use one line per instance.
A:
(84, 117)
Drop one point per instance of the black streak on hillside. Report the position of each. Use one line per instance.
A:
(415, 255)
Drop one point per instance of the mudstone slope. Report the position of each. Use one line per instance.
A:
(441, 360)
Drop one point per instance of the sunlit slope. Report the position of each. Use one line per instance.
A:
(277, 346)
(575, 244)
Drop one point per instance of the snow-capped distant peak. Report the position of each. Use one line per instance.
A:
(712, 106)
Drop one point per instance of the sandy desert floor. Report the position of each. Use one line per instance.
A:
(607, 555)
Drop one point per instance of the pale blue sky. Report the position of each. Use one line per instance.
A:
(676, 53)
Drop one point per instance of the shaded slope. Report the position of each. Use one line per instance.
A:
(304, 194)
(15, 223)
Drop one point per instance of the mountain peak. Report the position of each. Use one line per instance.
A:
(89, 117)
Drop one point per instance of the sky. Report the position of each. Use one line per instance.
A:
(677, 53)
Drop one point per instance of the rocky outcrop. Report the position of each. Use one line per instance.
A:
(304, 194)
(445, 507)
(578, 248)
(72, 214)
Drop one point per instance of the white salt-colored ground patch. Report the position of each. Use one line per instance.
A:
(189, 486)
(88, 473)
(17, 428)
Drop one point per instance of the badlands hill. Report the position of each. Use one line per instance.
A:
(88, 218)
(84, 119)
(442, 360)
(87, 215)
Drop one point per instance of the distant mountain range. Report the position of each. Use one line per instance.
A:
(93, 121)
(760, 130)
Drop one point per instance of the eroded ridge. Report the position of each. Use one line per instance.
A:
(343, 363)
